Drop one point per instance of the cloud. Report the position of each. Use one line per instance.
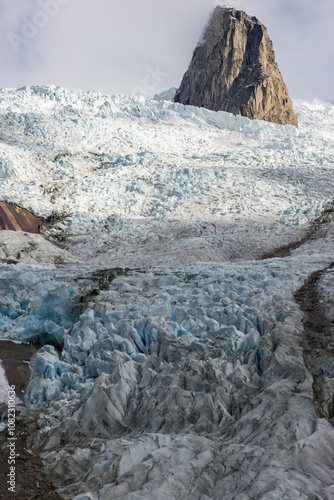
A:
(122, 45)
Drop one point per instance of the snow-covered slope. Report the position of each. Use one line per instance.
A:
(176, 361)
(142, 172)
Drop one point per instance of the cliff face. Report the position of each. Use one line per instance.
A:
(234, 69)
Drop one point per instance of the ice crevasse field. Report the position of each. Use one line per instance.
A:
(182, 289)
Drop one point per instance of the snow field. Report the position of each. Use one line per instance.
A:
(83, 153)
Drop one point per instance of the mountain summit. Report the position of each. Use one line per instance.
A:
(233, 69)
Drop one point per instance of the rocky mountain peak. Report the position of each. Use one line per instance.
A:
(233, 69)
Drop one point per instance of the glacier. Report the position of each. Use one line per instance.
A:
(181, 290)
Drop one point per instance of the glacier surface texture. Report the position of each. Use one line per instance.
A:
(182, 290)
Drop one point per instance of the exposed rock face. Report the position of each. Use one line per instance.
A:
(14, 218)
(15, 361)
(234, 69)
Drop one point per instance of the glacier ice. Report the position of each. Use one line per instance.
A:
(173, 357)
(169, 369)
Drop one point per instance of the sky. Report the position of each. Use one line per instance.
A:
(145, 46)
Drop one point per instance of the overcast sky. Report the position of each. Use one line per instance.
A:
(132, 46)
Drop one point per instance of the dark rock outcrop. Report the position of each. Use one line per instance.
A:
(234, 69)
